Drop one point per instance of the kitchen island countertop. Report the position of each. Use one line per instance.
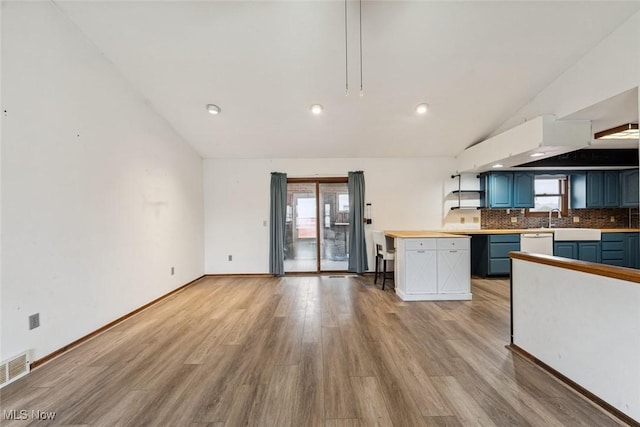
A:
(414, 234)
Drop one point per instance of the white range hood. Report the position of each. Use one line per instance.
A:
(545, 136)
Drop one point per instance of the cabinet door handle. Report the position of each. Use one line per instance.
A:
(453, 252)
(421, 252)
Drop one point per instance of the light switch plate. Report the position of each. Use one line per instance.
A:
(576, 219)
(514, 219)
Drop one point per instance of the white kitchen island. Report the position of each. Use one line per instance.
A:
(432, 266)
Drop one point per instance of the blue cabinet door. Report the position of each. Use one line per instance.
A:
(629, 186)
(611, 189)
(501, 190)
(566, 249)
(523, 190)
(578, 192)
(589, 251)
(632, 250)
(595, 189)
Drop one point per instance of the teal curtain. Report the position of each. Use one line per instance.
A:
(278, 213)
(357, 245)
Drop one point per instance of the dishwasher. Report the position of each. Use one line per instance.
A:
(537, 243)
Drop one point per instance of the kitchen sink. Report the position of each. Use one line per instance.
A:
(560, 234)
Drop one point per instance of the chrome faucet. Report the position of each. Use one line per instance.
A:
(552, 211)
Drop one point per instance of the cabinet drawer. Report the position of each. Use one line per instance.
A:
(612, 237)
(418, 244)
(504, 238)
(609, 255)
(613, 246)
(453, 243)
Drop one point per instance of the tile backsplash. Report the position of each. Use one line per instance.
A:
(587, 218)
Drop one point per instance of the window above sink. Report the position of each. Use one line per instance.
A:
(550, 193)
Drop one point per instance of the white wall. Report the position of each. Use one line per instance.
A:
(405, 193)
(610, 68)
(585, 326)
(100, 196)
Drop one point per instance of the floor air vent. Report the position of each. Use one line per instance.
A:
(14, 368)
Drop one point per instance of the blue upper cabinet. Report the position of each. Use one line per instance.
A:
(603, 189)
(523, 190)
(509, 189)
(591, 189)
(500, 190)
(629, 188)
(595, 189)
(611, 189)
(578, 191)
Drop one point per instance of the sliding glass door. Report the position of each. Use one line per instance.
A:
(317, 226)
(301, 241)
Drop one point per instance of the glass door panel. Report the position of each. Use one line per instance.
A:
(334, 227)
(301, 241)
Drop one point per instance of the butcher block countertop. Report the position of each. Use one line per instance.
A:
(413, 234)
(506, 231)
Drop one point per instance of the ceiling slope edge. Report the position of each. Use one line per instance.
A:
(543, 137)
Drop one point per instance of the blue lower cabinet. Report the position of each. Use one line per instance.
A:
(621, 249)
(584, 251)
(589, 251)
(566, 249)
(499, 247)
(613, 249)
(490, 254)
(632, 250)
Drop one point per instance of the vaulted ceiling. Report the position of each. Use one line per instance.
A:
(264, 63)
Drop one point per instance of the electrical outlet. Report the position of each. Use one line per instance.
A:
(34, 321)
(461, 220)
(508, 211)
(576, 219)
(613, 219)
(173, 271)
(476, 219)
(230, 257)
(514, 219)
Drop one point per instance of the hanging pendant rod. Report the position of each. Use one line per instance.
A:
(361, 88)
(346, 49)
(346, 53)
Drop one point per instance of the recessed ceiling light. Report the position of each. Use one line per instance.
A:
(213, 109)
(537, 154)
(626, 131)
(422, 108)
(316, 109)
(497, 166)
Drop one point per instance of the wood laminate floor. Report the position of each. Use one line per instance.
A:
(302, 351)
